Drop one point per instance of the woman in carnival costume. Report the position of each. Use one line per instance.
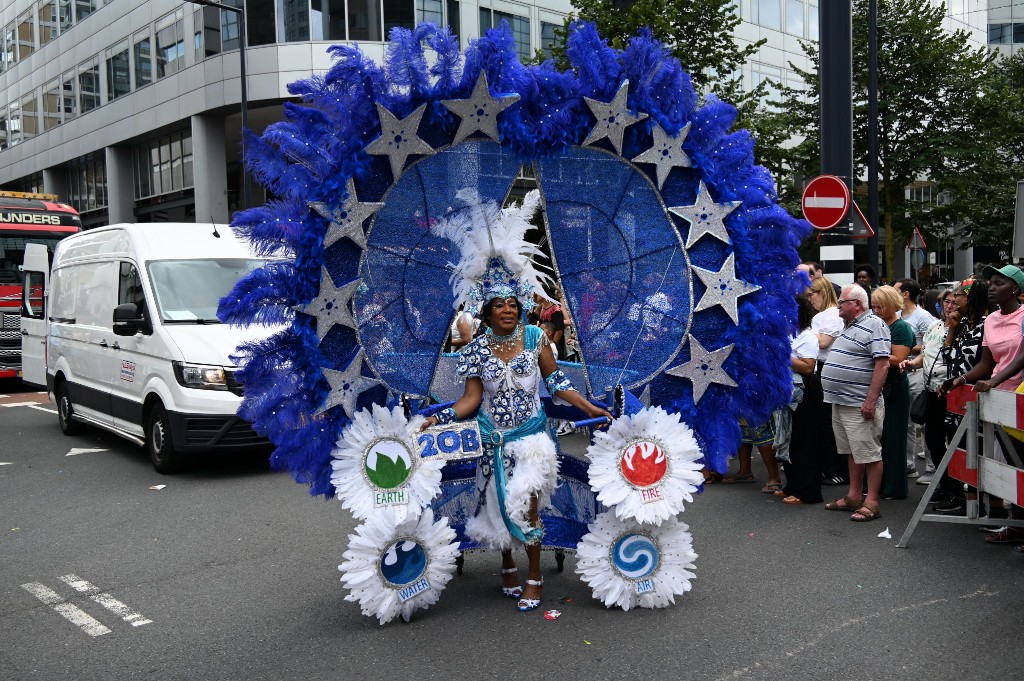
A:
(503, 369)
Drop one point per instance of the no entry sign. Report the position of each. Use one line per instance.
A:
(826, 201)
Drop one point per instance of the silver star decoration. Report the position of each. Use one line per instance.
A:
(346, 221)
(612, 118)
(480, 112)
(666, 153)
(398, 140)
(706, 216)
(330, 307)
(724, 288)
(347, 386)
(704, 368)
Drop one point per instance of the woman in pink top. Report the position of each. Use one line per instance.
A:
(1001, 358)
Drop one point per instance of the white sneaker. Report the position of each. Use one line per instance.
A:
(913, 473)
(924, 479)
(930, 468)
(920, 455)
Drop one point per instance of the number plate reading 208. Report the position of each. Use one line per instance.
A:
(451, 441)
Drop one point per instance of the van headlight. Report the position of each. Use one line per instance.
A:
(201, 376)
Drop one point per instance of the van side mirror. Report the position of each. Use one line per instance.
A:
(128, 321)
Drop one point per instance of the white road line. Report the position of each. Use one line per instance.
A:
(71, 613)
(48, 411)
(18, 404)
(5, 463)
(106, 600)
(75, 451)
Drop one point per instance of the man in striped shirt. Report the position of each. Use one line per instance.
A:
(852, 380)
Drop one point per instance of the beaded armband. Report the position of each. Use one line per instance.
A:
(556, 381)
(446, 415)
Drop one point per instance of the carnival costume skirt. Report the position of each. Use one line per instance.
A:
(531, 468)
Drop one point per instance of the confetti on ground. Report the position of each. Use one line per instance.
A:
(552, 615)
(158, 487)
(884, 534)
(586, 641)
(750, 534)
(564, 599)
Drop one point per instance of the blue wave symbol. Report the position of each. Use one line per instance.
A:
(403, 562)
(635, 556)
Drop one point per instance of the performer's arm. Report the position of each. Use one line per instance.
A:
(463, 407)
(559, 386)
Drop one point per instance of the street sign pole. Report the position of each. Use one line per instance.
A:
(836, 50)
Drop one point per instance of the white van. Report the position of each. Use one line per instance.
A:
(132, 340)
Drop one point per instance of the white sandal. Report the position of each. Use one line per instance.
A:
(511, 591)
(526, 604)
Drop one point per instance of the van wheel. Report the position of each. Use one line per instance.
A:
(160, 444)
(65, 411)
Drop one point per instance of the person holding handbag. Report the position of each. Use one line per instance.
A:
(929, 408)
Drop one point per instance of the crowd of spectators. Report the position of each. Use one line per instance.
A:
(861, 355)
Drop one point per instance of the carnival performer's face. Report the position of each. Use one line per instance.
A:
(504, 315)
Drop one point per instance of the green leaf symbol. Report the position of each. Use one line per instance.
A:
(389, 473)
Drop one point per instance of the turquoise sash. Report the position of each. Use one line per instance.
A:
(497, 440)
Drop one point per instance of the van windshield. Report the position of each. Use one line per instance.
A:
(188, 291)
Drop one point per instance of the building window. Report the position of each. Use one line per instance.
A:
(118, 77)
(1018, 33)
(26, 35)
(293, 18)
(89, 86)
(1000, 34)
(69, 96)
(520, 27)
(207, 23)
(170, 44)
(454, 16)
(398, 13)
(259, 20)
(164, 165)
(548, 37)
(10, 55)
(430, 10)
(30, 115)
(142, 56)
(87, 182)
(229, 27)
(328, 19)
(14, 123)
(51, 105)
(47, 17)
(364, 20)
(64, 14)
(84, 8)
(795, 17)
(767, 13)
(771, 76)
(3, 129)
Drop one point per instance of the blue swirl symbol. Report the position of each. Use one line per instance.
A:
(403, 563)
(635, 556)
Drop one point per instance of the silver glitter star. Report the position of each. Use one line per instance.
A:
(347, 386)
(330, 307)
(706, 216)
(666, 153)
(346, 221)
(724, 288)
(398, 140)
(612, 118)
(480, 112)
(704, 368)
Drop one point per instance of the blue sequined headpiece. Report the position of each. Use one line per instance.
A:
(499, 281)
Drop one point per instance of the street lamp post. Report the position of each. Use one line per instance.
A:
(240, 11)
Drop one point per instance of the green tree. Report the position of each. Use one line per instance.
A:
(978, 183)
(928, 79)
(700, 34)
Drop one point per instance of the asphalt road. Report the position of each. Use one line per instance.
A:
(229, 572)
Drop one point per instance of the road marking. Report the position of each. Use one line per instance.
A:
(75, 451)
(18, 404)
(71, 613)
(5, 463)
(48, 411)
(106, 600)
